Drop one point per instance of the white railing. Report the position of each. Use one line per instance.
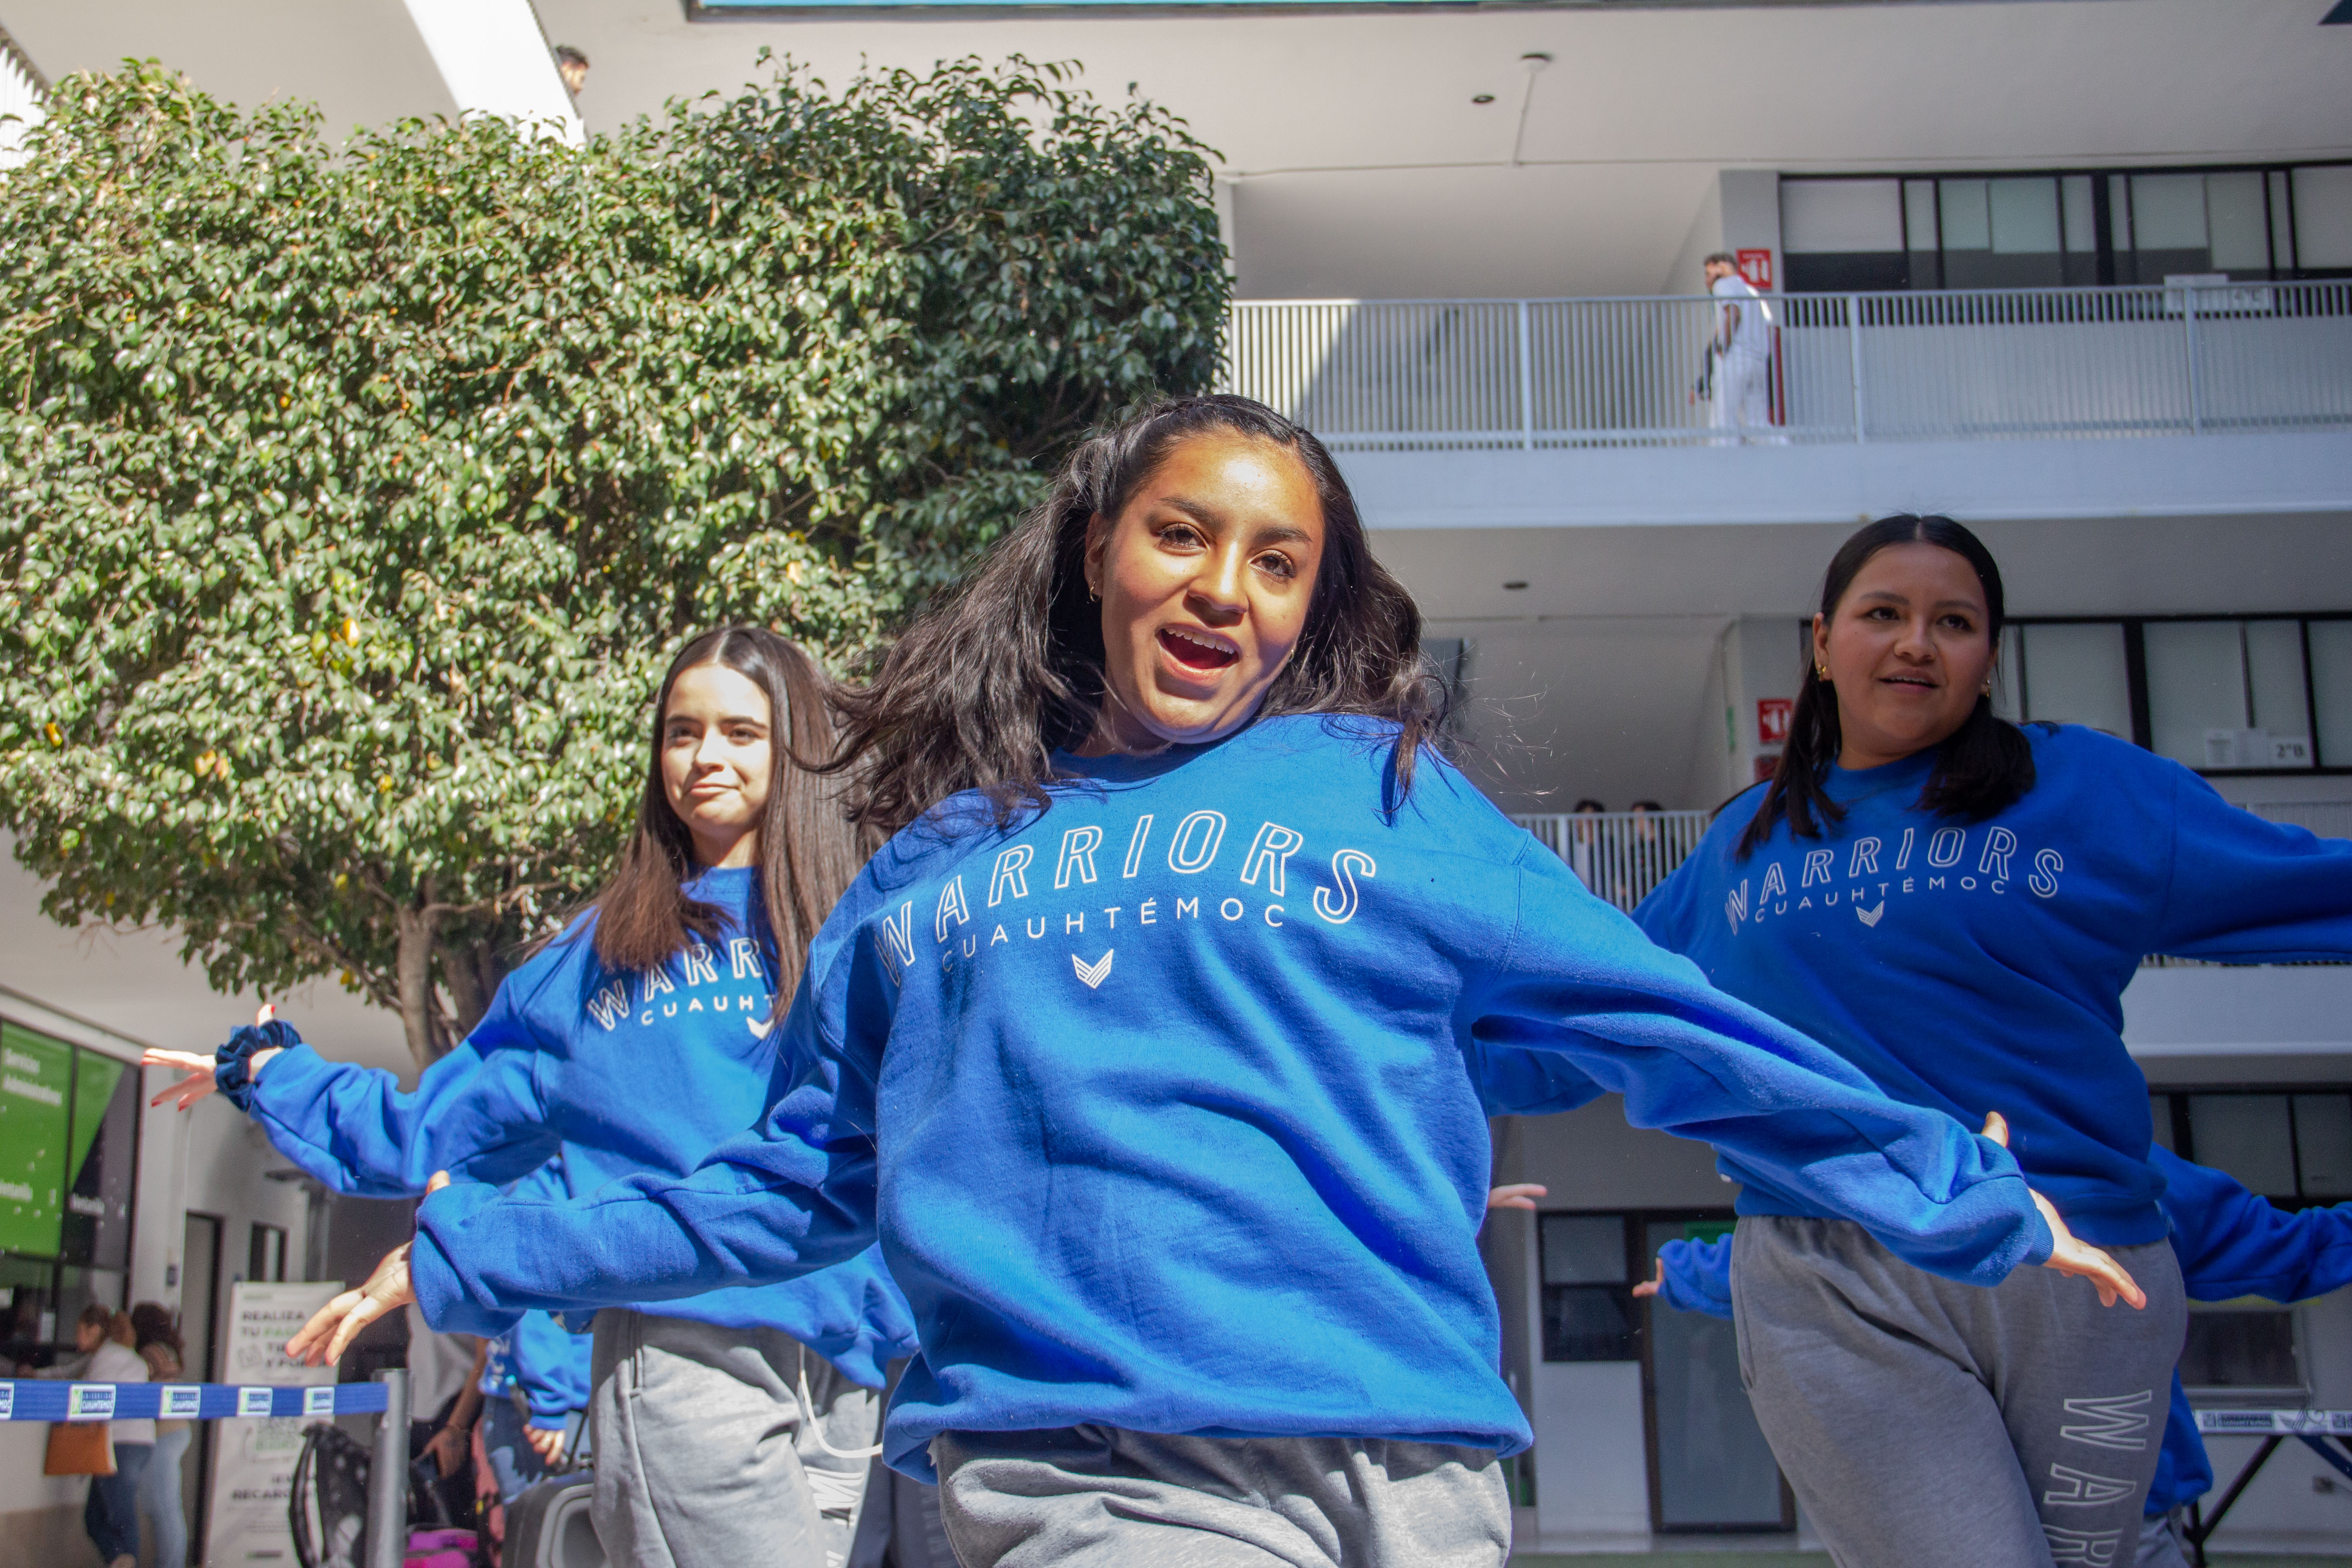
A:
(1620, 856)
(1923, 365)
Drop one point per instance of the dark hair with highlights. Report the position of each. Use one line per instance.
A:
(992, 678)
(1981, 769)
(808, 853)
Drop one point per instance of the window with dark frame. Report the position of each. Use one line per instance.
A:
(1588, 1291)
(2269, 694)
(68, 1170)
(2048, 228)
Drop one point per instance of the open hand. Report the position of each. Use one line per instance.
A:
(331, 1329)
(198, 1067)
(1517, 1196)
(192, 1087)
(2079, 1258)
(447, 1449)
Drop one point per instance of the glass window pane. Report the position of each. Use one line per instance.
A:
(1967, 224)
(2322, 1144)
(2077, 675)
(2169, 212)
(2282, 225)
(2245, 1136)
(2159, 1117)
(2082, 221)
(1838, 216)
(96, 1226)
(2197, 692)
(2331, 690)
(2240, 1351)
(1919, 216)
(2119, 214)
(1583, 1249)
(2237, 225)
(34, 1079)
(2323, 216)
(1589, 1322)
(2275, 677)
(2024, 217)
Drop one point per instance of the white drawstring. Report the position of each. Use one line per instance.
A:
(816, 1429)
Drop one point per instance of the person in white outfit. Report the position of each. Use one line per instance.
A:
(1740, 356)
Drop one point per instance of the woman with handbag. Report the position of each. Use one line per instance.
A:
(115, 1460)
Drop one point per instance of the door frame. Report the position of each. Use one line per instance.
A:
(1642, 1266)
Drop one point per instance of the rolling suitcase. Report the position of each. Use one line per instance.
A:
(548, 1526)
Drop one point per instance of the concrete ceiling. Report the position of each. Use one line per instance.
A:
(1362, 165)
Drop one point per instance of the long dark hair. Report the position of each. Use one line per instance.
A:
(991, 679)
(808, 851)
(1981, 768)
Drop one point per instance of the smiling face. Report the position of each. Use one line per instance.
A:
(716, 757)
(1205, 577)
(1909, 650)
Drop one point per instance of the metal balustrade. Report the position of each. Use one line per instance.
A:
(1620, 856)
(2178, 359)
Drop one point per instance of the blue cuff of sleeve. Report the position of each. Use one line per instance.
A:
(555, 1422)
(440, 1296)
(233, 1063)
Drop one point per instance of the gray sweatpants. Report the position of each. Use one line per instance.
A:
(1097, 1497)
(702, 1457)
(1924, 1423)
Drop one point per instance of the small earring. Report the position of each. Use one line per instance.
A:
(1094, 594)
(1821, 673)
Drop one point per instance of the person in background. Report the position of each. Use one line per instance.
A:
(729, 1428)
(157, 1338)
(2231, 1244)
(573, 67)
(1740, 356)
(1584, 840)
(104, 1352)
(533, 1392)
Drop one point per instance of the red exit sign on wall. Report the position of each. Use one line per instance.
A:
(1772, 721)
(1755, 266)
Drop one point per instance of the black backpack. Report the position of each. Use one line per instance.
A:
(326, 1505)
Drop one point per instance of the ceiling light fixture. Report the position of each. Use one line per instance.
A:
(1515, 585)
(1531, 62)
(1482, 97)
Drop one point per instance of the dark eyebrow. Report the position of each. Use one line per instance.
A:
(1891, 597)
(1279, 533)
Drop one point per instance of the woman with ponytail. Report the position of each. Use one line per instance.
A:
(1954, 905)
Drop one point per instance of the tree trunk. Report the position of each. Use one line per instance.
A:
(413, 971)
(473, 970)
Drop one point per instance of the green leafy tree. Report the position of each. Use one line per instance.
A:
(352, 500)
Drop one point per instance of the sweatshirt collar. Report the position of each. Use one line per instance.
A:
(1850, 785)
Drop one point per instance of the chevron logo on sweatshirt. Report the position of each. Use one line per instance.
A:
(1094, 974)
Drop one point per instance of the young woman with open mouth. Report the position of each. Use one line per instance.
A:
(1955, 905)
(1158, 1045)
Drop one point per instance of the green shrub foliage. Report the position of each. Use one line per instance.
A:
(352, 500)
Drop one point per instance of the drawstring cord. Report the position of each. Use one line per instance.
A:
(816, 1427)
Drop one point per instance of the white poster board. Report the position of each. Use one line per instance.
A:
(253, 1457)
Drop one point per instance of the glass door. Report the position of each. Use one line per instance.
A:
(1710, 1468)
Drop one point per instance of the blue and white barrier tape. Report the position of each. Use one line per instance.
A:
(45, 1399)
(2278, 1423)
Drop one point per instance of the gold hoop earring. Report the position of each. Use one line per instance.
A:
(1821, 673)
(1094, 594)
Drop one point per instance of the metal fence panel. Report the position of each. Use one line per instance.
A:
(1957, 365)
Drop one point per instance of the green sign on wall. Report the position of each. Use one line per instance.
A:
(35, 1078)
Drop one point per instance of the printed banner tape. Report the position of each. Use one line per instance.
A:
(2278, 1423)
(31, 1399)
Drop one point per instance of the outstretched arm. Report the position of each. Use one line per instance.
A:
(1581, 980)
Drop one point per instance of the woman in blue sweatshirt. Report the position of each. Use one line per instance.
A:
(1157, 1043)
(2231, 1244)
(1954, 905)
(733, 1427)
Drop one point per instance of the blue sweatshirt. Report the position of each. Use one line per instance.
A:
(548, 1364)
(1169, 1104)
(2231, 1244)
(1976, 967)
(621, 1075)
